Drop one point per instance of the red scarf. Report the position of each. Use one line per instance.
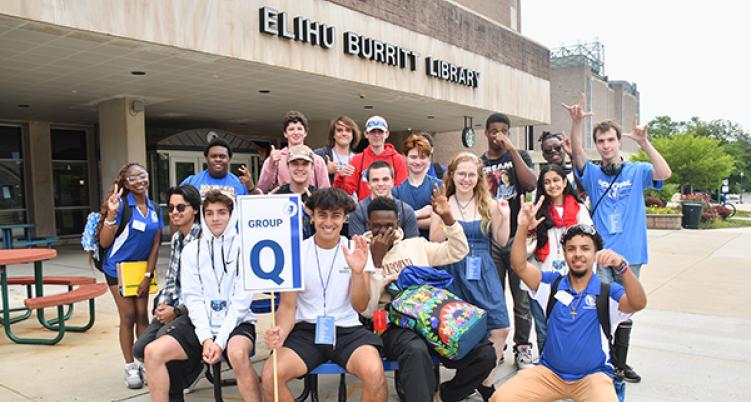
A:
(570, 210)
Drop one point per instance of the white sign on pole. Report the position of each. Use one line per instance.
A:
(271, 236)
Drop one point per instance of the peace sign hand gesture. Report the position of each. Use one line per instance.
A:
(577, 112)
(528, 215)
(638, 134)
(245, 178)
(439, 202)
(357, 258)
(113, 202)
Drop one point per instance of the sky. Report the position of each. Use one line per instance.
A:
(688, 58)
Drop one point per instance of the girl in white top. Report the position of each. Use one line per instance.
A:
(560, 208)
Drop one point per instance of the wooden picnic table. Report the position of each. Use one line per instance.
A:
(8, 233)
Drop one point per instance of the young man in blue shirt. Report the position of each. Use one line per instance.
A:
(217, 175)
(576, 362)
(616, 191)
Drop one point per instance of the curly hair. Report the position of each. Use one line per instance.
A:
(481, 192)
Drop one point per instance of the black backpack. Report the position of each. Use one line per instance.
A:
(124, 220)
(603, 311)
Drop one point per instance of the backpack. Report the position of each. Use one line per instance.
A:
(451, 326)
(603, 315)
(90, 240)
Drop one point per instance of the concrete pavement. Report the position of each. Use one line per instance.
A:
(690, 343)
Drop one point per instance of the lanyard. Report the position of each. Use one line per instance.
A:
(325, 286)
(224, 263)
(474, 218)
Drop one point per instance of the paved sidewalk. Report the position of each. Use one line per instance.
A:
(690, 344)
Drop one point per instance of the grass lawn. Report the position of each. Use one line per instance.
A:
(728, 223)
(743, 214)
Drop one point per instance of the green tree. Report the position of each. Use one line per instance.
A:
(696, 161)
(663, 127)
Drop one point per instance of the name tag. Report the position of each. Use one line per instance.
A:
(564, 297)
(139, 225)
(325, 330)
(615, 225)
(474, 268)
(154, 217)
(217, 314)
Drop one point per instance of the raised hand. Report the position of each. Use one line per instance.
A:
(381, 244)
(503, 208)
(113, 202)
(504, 141)
(245, 178)
(330, 166)
(357, 258)
(439, 202)
(577, 112)
(527, 217)
(275, 155)
(608, 258)
(638, 134)
(567, 146)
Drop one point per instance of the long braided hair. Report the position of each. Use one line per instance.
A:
(120, 182)
(481, 192)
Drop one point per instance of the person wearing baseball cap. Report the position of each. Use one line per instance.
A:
(377, 132)
(300, 161)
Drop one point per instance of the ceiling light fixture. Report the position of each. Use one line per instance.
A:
(368, 107)
(264, 91)
(138, 72)
(431, 117)
(24, 106)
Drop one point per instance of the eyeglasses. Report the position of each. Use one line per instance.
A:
(178, 207)
(549, 151)
(466, 175)
(137, 178)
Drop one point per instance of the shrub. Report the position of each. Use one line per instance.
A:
(652, 201)
(709, 215)
(703, 198)
(665, 193)
(722, 211)
(662, 211)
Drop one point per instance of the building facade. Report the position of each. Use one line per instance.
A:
(92, 84)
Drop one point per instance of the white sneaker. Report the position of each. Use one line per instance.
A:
(133, 376)
(523, 356)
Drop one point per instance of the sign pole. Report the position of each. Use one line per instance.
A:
(273, 357)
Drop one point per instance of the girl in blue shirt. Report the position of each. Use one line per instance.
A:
(139, 241)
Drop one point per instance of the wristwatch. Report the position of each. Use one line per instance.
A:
(622, 268)
(147, 274)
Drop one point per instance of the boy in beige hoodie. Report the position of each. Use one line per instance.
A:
(391, 254)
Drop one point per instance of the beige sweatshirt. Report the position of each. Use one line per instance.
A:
(414, 251)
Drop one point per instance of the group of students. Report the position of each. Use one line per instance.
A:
(471, 222)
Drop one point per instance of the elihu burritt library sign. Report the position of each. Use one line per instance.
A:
(273, 22)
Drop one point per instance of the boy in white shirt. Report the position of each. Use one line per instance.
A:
(321, 323)
(220, 320)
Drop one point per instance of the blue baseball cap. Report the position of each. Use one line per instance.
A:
(376, 122)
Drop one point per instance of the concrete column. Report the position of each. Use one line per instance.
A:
(122, 137)
(42, 205)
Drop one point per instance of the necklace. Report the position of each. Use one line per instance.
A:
(465, 206)
(573, 309)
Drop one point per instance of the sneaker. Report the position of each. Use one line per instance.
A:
(133, 376)
(523, 356)
(629, 375)
(193, 384)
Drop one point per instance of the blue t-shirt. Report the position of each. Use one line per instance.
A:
(621, 216)
(134, 243)
(416, 197)
(204, 182)
(576, 346)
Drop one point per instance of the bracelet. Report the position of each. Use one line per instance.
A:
(622, 268)
(147, 274)
(110, 223)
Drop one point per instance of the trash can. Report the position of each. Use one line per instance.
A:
(691, 214)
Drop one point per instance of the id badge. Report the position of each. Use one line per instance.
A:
(217, 314)
(559, 266)
(139, 225)
(325, 330)
(615, 224)
(564, 297)
(473, 268)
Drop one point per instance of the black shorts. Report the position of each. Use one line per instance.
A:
(302, 341)
(185, 334)
(111, 280)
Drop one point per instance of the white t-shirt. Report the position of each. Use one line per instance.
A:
(556, 260)
(319, 272)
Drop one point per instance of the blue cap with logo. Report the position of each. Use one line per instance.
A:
(376, 123)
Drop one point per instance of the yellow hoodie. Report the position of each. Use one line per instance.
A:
(413, 251)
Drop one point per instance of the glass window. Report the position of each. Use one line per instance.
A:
(12, 196)
(70, 180)
(68, 145)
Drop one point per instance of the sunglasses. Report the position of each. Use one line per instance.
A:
(580, 229)
(178, 207)
(554, 148)
(137, 178)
